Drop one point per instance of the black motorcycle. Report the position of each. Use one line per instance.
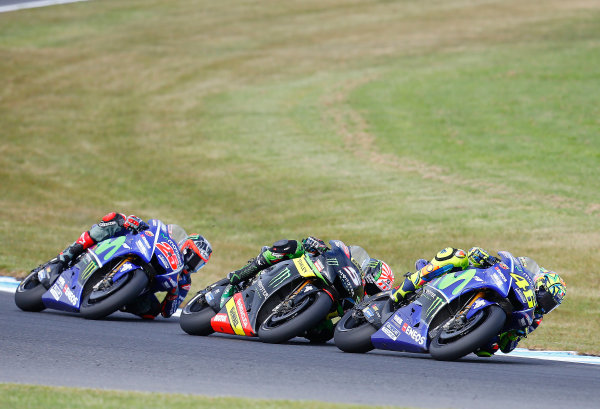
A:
(285, 300)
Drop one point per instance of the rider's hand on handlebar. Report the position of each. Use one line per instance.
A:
(135, 224)
(314, 246)
(480, 258)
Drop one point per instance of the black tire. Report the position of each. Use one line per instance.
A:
(28, 296)
(128, 291)
(352, 335)
(488, 327)
(195, 317)
(307, 318)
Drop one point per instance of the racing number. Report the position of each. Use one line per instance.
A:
(167, 250)
(523, 284)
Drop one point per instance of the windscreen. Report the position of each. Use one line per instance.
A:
(177, 233)
(360, 256)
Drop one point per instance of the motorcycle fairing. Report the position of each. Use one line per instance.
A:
(408, 328)
(65, 293)
(233, 319)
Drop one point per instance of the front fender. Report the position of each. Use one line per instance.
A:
(479, 305)
(126, 268)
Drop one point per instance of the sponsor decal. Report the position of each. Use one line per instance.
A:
(434, 307)
(262, 289)
(346, 282)
(496, 279)
(149, 233)
(89, 269)
(142, 249)
(480, 302)
(353, 275)
(242, 312)
(55, 291)
(413, 333)
(109, 247)
(503, 266)
(450, 279)
(220, 318)
(234, 317)
(397, 320)
(209, 297)
(390, 331)
(162, 259)
(319, 265)
(280, 277)
(143, 238)
(477, 278)
(333, 262)
(303, 267)
(368, 312)
(65, 289)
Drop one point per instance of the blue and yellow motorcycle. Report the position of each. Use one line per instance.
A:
(450, 317)
(110, 275)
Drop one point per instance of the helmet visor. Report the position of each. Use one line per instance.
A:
(546, 302)
(196, 254)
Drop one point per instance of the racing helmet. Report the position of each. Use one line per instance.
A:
(550, 290)
(196, 251)
(378, 277)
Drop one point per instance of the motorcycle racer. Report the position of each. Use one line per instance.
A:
(377, 275)
(196, 251)
(550, 289)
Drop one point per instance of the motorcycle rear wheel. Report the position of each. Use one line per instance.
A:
(196, 316)
(297, 321)
(446, 348)
(28, 296)
(353, 335)
(137, 280)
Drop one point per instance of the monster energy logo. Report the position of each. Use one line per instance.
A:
(280, 277)
(434, 307)
(89, 269)
(333, 262)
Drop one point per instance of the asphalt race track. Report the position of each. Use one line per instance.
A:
(62, 349)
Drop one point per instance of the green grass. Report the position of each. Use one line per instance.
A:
(402, 126)
(14, 396)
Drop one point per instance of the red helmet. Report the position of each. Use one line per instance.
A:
(378, 277)
(196, 252)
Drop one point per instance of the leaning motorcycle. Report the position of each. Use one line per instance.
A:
(450, 317)
(110, 274)
(283, 301)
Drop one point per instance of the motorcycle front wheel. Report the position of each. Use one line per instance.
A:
(96, 304)
(459, 340)
(353, 333)
(196, 316)
(286, 323)
(28, 296)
